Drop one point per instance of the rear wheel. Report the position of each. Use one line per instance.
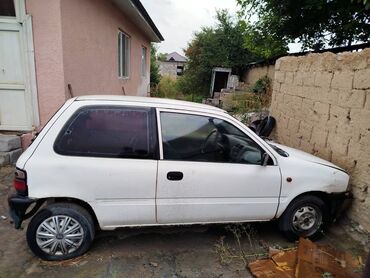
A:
(305, 217)
(60, 231)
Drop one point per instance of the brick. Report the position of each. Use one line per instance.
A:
(14, 155)
(305, 131)
(352, 98)
(288, 77)
(338, 143)
(307, 108)
(277, 64)
(364, 138)
(321, 109)
(9, 142)
(323, 79)
(306, 146)
(367, 97)
(333, 96)
(289, 63)
(362, 79)
(361, 117)
(298, 78)
(284, 120)
(319, 137)
(342, 80)
(279, 76)
(343, 161)
(293, 126)
(308, 79)
(347, 128)
(338, 115)
(285, 88)
(324, 153)
(276, 86)
(4, 159)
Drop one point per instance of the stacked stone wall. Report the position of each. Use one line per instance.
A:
(252, 75)
(322, 106)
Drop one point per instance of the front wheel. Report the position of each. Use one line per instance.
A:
(305, 217)
(60, 231)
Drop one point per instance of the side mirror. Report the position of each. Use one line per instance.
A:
(265, 159)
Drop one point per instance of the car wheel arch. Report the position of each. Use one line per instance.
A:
(75, 201)
(324, 196)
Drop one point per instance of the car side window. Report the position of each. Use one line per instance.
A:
(200, 138)
(101, 131)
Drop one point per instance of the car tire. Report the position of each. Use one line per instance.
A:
(305, 217)
(71, 238)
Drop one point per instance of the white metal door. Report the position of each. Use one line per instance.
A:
(216, 192)
(18, 101)
(202, 191)
(14, 114)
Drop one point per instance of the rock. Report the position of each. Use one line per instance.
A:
(4, 159)
(3, 217)
(153, 264)
(9, 142)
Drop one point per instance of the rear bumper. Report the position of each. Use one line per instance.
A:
(18, 206)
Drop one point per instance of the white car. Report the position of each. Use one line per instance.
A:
(114, 161)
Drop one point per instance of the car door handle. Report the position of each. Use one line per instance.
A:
(175, 176)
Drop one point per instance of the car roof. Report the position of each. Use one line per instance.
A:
(168, 103)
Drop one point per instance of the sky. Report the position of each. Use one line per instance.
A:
(177, 20)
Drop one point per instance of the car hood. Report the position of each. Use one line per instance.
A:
(305, 156)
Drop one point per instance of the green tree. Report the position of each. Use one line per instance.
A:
(154, 67)
(162, 57)
(222, 45)
(315, 23)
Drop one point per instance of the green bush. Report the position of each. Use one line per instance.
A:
(167, 88)
(262, 85)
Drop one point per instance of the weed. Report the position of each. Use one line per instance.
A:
(262, 85)
(238, 250)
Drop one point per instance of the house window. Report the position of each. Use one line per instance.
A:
(143, 61)
(123, 54)
(7, 8)
(180, 70)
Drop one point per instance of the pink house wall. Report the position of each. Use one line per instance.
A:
(47, 37)
(76, 43)
(90, 48)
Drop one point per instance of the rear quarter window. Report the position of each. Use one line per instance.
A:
(117, 132)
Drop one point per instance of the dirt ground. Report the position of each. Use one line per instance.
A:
(191, 251)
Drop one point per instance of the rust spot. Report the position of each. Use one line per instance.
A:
(289, 179)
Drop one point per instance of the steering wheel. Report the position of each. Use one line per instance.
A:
(215, 141)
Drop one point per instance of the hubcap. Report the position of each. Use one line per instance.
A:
(59, 235)
(306, 218)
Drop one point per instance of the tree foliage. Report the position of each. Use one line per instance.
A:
(222, 45)
(315, 23)
(154, 67)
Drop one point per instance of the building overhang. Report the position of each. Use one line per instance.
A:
(140, 17)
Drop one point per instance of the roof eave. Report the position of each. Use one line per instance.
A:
(141, 18)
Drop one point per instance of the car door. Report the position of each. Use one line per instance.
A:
(210, 171)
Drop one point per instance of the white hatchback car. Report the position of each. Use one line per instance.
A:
(113, 161)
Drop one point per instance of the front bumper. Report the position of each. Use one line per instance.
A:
(18, 206)
(340, 202)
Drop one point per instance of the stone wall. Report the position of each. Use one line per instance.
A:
(251, 75)
(322, 106)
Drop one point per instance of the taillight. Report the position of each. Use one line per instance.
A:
(20, 182)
